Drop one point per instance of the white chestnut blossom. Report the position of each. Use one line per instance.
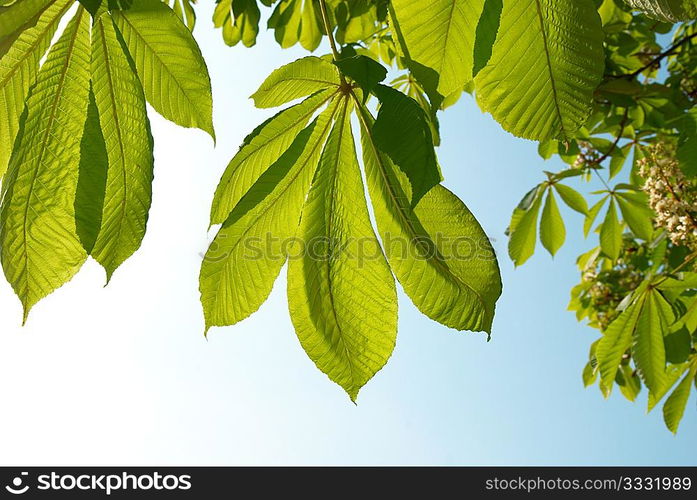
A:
(671, 195)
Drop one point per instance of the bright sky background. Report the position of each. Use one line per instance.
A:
(123, 375)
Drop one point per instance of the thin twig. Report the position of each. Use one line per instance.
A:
(658, 58)
(682, 266)
(609, 189)
(623, 125)
(328, 29)
(608, 153)
(330, 35)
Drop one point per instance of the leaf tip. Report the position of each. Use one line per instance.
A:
(352, 392)
(25, 315)
(210, 130)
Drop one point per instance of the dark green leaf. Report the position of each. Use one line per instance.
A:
(487, 30)
(678, 345)
(363, 70)
(92, 6)
(402, 131)
(91, 185)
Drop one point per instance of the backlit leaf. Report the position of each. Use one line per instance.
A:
(439, 246)
(264, 146)
(521, 245)
(545, 65)
(91, 186)
(19, 67)
(254, 240)
(611, 233)
(552, 229)
(636, 213)
(648, 349)
(341, 293)
(40, 247)
(19, 14)
(674, 407)
(616, 340)
(440, 39)
(125, 126)
(667, 10)
(572, 198)
(169, 63)
(295, 80)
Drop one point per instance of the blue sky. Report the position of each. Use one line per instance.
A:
(123, 374)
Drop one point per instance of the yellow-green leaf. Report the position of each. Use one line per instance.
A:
(636, 213)
(611, 233)
(629, 382)
(673, 374)
(521, 245)
(240, 24)
(295, 80)
(40, 247)
(552, 229)
(616, 340)
(169, 63)
(670, 11)
(19, 67)
(648, 349)
(592, 215)
(439, 36)
(573, 199)
(341, 293)
(91, 186)
(310, 32)
(546, 63)
(184, 11)
(124, 122)
(260, 150)
(286, 21)
(19, 14)
(674, 407)
(438, 251)
(247, 254)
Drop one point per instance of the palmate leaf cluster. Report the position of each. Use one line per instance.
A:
(76, 147)
(446, 48)
(294, 192)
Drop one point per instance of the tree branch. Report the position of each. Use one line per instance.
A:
(330, 35)
(669, 51)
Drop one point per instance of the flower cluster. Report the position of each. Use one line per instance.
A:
(588, 157)
(605, 283)
(671, 195)
(689, 86)
(607, 289)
